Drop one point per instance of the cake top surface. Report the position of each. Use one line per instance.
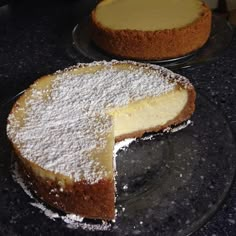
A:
(148, 15)
(60, 133)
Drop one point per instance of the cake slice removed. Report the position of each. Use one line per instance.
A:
(63, 128)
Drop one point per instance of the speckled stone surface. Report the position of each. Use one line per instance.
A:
(36, 40)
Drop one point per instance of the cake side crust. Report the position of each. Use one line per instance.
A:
(150, 45)
(86, 200)
(183, 116)
(75, 197)
(61, 194)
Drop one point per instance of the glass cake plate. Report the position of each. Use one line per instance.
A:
(169, 183)
(219, 40)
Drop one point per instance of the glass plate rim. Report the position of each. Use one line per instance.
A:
(217, 206)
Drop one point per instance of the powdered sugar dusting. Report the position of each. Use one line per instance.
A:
(122, 145)
(17, 177)
(52, 215)
(71, 220)
(75, 221)
(74, 121)
(181, 126)
(169, 130)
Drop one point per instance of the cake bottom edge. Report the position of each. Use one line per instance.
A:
(93, 201)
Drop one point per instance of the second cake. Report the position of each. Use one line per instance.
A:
(150, 29)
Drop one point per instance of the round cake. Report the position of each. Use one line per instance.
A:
(64, 126)
(150, 29)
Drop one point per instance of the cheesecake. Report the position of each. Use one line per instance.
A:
(64, 127)
(150, 29)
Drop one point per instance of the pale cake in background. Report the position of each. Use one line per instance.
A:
(150, 29)
(64, 126)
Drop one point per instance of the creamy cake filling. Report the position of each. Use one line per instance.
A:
(66, 123)
(148, 15)
(155, 111)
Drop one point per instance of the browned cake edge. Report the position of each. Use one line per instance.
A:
(87, 200)
(150, 45)
(183, 116)
(82, 198)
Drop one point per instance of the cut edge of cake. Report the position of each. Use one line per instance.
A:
(98, 198)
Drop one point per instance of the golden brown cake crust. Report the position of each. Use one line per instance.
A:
(184, 115)
(152, 45)
(87, 200)
(76, 197)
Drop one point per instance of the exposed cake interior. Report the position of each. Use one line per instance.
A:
(130, 119)
(64, 126)
(148, 15)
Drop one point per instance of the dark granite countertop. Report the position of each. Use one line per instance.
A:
(35, 39)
